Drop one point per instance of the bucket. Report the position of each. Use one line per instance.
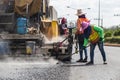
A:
(4, 47)
(30, 47)
(21, 30)
(21, 25)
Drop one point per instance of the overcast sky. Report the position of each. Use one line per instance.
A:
(107, 10)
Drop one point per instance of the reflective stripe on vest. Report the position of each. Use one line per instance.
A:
(94, 36)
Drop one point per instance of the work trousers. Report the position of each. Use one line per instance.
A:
(81, 42)
(101, 48)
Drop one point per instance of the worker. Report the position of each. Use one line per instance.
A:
(95, 35)
(80, 35)
(64, 29)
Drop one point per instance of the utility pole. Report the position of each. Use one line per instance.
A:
(99, 13)
(102, 22)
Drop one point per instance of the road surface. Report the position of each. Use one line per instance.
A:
(43, 69)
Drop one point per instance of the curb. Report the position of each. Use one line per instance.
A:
(111, 44)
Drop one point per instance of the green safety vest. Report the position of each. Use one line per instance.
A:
(94, 36)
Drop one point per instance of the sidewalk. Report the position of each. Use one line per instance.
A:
(112, 44)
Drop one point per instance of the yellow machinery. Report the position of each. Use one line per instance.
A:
(50, 29)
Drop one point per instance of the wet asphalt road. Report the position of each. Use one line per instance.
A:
(33, 70)
(40, 69)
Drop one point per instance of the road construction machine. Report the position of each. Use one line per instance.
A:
(27, 23)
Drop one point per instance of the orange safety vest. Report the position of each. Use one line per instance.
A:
(94, 36)
(79, 21)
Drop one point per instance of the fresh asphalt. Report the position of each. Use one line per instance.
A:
(39, 68)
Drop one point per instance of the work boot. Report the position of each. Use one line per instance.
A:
(80, 60)
(85, 60)
(105, 62)
(90, 63)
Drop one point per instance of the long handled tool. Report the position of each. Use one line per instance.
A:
(76, 46)
(56, 48)
(74, 53)
(60, 43)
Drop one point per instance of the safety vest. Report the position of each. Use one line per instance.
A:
(94, 36)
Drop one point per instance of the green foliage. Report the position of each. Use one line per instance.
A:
(108, 34)
(117, 32)
(112, 34)
(113, 39)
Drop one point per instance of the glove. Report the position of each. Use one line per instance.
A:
(101, 39)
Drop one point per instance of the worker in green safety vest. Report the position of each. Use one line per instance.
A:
(94, 35)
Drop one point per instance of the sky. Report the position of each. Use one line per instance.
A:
(108, 8)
